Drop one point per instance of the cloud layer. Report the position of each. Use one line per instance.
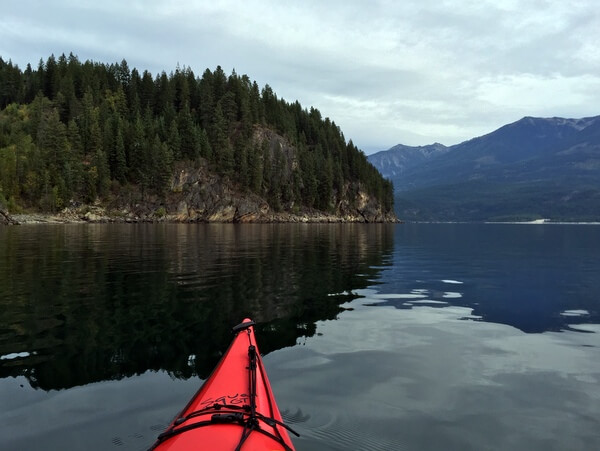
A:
(386, 72)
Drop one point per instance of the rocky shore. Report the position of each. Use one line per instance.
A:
(198, 196)
(100, 215)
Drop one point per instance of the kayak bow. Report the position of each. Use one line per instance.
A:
(234, 409)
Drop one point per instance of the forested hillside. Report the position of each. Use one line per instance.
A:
(73, 132)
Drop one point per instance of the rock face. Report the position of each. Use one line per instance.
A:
(200, 196)
(5, 217)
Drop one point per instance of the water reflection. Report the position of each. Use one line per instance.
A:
(527, 276)
(427, 379)
(87, 303)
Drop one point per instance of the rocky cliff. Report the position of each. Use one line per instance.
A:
(5, 217)
(198, 195)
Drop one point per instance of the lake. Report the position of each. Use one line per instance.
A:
(376, 337)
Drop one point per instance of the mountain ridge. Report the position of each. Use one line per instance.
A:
(400, 158)
(531, 168)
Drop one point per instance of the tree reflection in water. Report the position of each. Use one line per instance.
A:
(86, 303)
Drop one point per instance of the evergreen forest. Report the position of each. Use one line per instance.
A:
(76, 132)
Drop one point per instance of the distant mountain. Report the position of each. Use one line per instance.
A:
(400, 158)
(533, 168)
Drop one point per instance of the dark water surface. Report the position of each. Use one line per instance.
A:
(416, 337)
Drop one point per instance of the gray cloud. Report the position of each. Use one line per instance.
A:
(387, 72)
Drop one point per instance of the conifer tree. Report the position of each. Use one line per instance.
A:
(51, 78)
(188, 135)
(205, 147)
(120, 163)
(75, 181)
(207, 100)
(255, 167)
(241, 162)
(161, 160)
(174, 140)
(31, 86)
(219, 83)
(181, 94)
(220, 142)
(135, 157)
(146, 95)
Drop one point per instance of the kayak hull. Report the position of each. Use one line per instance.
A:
(234, 409)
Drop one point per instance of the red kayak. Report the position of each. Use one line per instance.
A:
(234, 409)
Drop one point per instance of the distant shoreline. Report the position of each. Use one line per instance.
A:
(544, 222)
(537, 222)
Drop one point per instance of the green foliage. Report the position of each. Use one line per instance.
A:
(71, 131)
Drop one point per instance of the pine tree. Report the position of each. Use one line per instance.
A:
(135, 157)
(255, 168)
(181, 95)
(52, 140)
(207, 100)
(87, 118)
(31, 85)
(267, 168)
(257, 111)
(205, 147)
(188, 135)
(228, 108)
(221, 144)
(164, 95)
(66, 100)
(219, 83)
(75, 160)
(102, 172)
(93, 143)
(120, 163)
(325, 184)
(241, 162)
(161, 165)
(174, 140)
(109, 141)
(50, 85)
(123, 74)
(146, 95)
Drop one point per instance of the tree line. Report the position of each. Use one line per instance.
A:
(78, 131)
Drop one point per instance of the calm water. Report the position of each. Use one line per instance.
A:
(416, 337)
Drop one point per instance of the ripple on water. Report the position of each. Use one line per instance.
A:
(452, 295)
(344, 435)
(16, 355)
(426, 302)
(575, 313)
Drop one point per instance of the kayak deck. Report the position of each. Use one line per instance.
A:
(234, 409)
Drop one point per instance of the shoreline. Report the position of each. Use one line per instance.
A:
(71, 217)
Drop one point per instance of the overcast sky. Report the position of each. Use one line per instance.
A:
(387, 72)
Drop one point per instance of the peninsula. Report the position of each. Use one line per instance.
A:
(100, 142)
